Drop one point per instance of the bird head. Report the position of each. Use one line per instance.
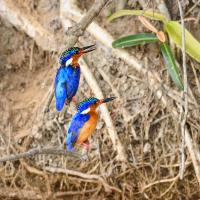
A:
(91, 104)
(71, 55)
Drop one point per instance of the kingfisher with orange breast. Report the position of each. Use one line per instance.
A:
(84, 122)
(68, 75)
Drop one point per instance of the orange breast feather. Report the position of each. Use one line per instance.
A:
(88, 128)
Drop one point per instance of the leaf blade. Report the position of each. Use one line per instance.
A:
(171, 64)
(148, 14)
(133, 40)
(192, 45)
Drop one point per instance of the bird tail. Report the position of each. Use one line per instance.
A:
(70, 147)
(59, 104)
(69, 144)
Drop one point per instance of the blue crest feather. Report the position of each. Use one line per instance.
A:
(86, 103)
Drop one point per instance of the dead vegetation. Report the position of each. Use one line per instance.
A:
(145, 118)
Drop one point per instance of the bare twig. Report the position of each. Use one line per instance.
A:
(73, 193)
(31, 56)
(185, 92)
(192, 8)
(107, 187)
(33, 170)
(160, 181)
(39, 151)
(104, 110)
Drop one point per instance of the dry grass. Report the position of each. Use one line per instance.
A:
(148, 130)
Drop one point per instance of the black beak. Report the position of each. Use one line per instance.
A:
(109, 99)
(88, 48)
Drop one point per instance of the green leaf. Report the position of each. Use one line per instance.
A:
(192, 46)
(171, 64)
(133, 40)
(149, 14)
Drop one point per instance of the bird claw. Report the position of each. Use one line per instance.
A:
(86, 145)
(74, 99)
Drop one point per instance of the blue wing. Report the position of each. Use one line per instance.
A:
(66, 85)
(60, 86)
(61, 95)
(77, 122)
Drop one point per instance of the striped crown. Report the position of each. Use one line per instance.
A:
(86, 103)
(67, 54)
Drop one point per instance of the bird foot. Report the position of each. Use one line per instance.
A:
(86, 146)
(74, 99)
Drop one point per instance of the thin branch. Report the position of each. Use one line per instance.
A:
(104, 110)
(39, 151)
(158, 182)
(185, 92)
(73, 193)
(107, 187)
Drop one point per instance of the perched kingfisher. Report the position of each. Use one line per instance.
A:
(68, 75)
(84, 122)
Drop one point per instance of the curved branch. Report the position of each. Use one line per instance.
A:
(107, 187)
(39, 151)
(104, 110)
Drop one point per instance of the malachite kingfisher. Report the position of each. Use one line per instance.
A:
(68, 75)
(84, 122)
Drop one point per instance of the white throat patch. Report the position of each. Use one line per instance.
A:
(85, 111)
(69, 62)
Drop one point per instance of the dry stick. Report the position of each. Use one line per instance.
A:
(185, 92)
(38, 172)
(73, 193)
(103, 36)
(158, 182)
(39, 151)
(104, 110)
(107, 187)
(192, 8)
